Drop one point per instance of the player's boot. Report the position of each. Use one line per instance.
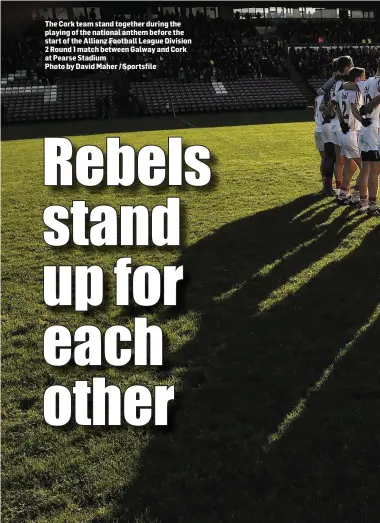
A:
(373, 209)
(355, 198)
(362, 206)
(344, 198)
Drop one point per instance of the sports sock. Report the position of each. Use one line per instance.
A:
(328, 168)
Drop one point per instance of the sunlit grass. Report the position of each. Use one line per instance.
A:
(225, 342)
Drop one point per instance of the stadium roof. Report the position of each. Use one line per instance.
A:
(12, 7)
(357, 5)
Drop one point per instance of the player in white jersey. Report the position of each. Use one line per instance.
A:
(328, 163)
(330, 127)
(319, 143)
(371, 106)
(348, 104)
(369, 135)
(337, 134)
(368, 179)
(372, 110)
(335, 124)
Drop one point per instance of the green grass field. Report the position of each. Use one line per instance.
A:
(275, 358)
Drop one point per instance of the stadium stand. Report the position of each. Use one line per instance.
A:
(331, 31)
(162, 96)
(23, 99)
(314, 64)
(227, 67)
(76, 98)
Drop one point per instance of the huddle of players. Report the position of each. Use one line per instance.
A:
(347, 117)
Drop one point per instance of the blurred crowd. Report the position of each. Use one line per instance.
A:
(27, 53)
(316, 63)
(330, 31)
(220, 49)
(223, 49)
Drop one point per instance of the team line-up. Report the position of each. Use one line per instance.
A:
(347, 117)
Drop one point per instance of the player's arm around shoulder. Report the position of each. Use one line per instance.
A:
(356, 103)
(355, 112)
(350, 86)
(329, 84)
(375, 102)
(329, 109)
(327, 89)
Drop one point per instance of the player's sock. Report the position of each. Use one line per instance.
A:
(323, 167)
(355, 199)
(328, 171)
(328, 168)
(328, 187)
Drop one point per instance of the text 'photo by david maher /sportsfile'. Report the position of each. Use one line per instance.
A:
(190, 258)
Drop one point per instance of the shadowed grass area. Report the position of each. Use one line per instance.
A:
(273, 353)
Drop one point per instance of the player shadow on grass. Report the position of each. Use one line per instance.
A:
(256, 354)
(325, 465)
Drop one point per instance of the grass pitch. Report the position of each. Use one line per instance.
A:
(275, 358)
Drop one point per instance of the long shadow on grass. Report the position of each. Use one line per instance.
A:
(325, 467)
(250, 364)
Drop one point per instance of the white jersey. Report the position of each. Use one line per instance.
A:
(335, 124)
(345, 99)
(318, 118)
(369, 89)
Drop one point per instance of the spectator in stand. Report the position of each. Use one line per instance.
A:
(92, 15)
(222, 48)
(316, 63)
(338, 31)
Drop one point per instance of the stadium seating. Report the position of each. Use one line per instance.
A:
(25, 100)
(164, 96)
(316, 83)
(229, 66)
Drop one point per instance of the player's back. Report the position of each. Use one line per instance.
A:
(346, 99)
(335, 124)
(369, 89)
